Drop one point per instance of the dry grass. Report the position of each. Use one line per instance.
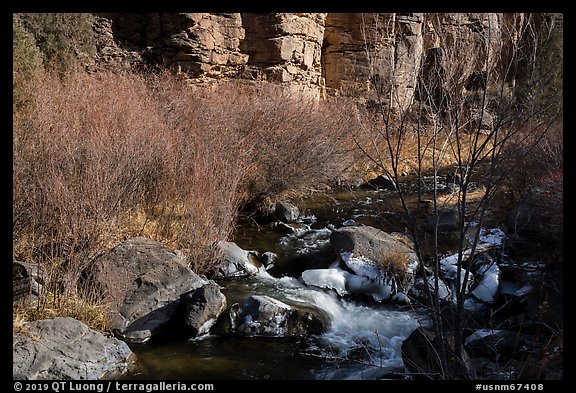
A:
(85, 308)
(395, 262)
(435, 149)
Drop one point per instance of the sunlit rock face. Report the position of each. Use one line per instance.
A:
(315, 54)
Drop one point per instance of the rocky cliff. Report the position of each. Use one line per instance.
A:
(319, 53)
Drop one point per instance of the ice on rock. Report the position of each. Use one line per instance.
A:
(510, 288)
(488, 237)
(361, 266)
(493, 236)
(378, 288)
(401, 297)
(449, 269)
(474, 306)
(419, 288)
(480, 334)
(487, 288)
(344, 282)
(326, 278)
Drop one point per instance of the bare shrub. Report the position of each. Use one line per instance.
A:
(26, 60)
(534, 156)
(110, 156)
(286, 140)
(82, 164)
(305, 145)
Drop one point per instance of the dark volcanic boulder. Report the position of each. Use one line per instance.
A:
(368, 242)
(145, 279)
(28, 280)
(381, 182)
(496, 344)
(420, 353)
(203, 306)
(64, 348)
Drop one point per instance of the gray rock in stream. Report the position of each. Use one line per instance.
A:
(286, 212)
(237, 262)
(269, 317)
(203, 306)
(64, 348)
(378, 256)
(145, 279)
(381, 182)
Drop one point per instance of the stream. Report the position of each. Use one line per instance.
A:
(364, 338)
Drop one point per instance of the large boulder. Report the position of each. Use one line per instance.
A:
(381, 182)
(144, 279)
(268, 317)
(383, 265)
(203, 306)
(447, 220)
(64, 348)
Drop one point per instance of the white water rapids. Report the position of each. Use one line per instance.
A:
(362, 342)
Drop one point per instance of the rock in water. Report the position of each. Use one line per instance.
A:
(496, 344)
(203, 306)
(382, 264)
(269, 317)
(286, 212)
(237, 262)
(381, 182)
(64, 348)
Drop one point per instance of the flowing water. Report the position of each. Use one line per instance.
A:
(364, 338)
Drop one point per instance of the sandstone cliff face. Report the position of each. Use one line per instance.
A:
(392, 43)
(316, 52)
(284, 48)
(198, 44)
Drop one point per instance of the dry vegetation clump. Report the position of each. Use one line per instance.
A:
(85, 308)
(395, 262)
